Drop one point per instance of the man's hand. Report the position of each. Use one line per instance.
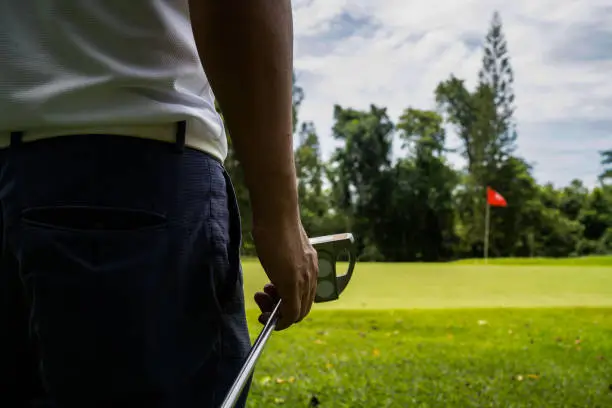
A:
(291, 263)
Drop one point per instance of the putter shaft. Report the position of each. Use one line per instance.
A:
(251, 360)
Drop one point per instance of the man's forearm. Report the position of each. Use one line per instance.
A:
(246, 49)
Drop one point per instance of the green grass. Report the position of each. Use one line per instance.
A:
(442, 358)
(577, 261)
(405, 285)
(446, 335)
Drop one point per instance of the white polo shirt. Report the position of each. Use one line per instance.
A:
(104, 66)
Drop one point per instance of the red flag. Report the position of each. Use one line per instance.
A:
(495, 199)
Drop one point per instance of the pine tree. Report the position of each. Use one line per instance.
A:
(497, 73)
(298, 98)
(606, 162)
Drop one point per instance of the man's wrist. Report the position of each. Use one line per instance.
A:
(275, 205)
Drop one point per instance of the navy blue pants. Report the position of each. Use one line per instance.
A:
(120, 277)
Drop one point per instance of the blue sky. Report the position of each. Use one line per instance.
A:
(394, 52)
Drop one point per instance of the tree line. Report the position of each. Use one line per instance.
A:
(417, 207)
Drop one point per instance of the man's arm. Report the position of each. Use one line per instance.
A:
(246, 49)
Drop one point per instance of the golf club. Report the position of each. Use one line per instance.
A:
(329, 288)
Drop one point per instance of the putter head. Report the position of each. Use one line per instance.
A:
(329, 248)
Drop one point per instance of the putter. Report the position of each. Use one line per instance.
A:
(329, 288)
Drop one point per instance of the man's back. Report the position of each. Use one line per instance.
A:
(67, 63)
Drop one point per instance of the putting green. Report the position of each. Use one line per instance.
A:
(456, 285)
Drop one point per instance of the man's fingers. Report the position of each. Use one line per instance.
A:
(263, 318)
(271, 290)
(264, 302)
(289, 312)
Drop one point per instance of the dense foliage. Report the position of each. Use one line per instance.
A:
(418, 207)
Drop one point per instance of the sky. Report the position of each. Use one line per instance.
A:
(393, 53)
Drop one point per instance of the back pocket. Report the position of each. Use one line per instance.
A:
(86, 218)
(98, 279)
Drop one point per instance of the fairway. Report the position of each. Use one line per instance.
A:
(445, 335)
(406, 286)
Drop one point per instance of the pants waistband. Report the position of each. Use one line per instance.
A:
(170, 133)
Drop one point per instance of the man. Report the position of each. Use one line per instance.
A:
(120, 274)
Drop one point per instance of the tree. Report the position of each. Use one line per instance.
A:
(497, 73)
(358, 166)
(310, 171)
(457, 105)
(423, 130)
(596, 214)
(572, 199)
(470, 114)
(606, 162)
(423, 210)
(298, 98)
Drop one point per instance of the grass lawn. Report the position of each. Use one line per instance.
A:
(446, 335)
(405, 285)
(578, 261)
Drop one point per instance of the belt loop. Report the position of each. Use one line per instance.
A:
(181, 129)
(16, 139)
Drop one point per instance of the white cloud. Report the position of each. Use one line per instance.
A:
(394, 52)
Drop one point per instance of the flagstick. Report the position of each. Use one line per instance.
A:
(486, 235)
